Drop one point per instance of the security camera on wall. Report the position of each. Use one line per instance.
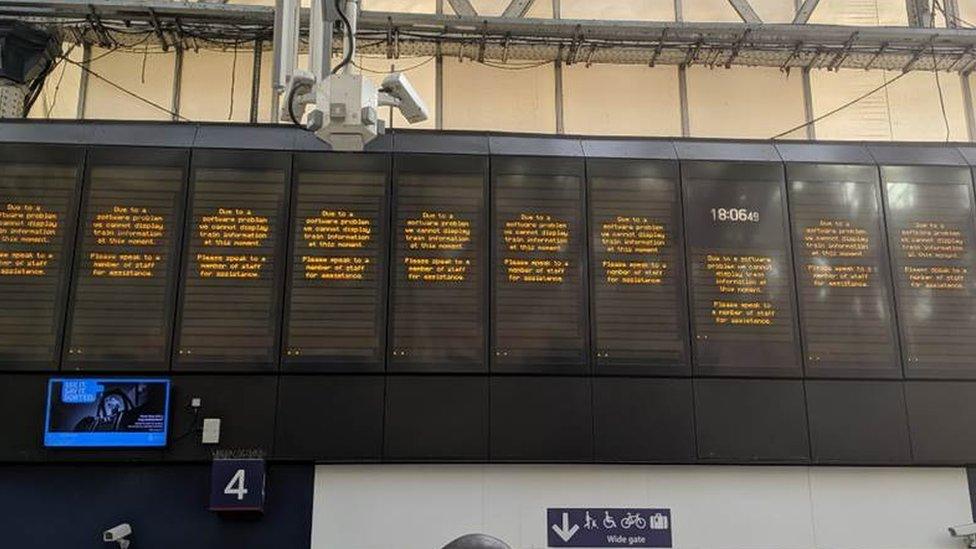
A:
(118, 534)
(965, 531)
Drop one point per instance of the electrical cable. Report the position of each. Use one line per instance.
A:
(406, 69)
(126, 91)
(840, 108)
(291, 106)
(349, 36)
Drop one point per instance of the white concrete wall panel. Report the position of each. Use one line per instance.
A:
(211, 79)
(624, 10)
(479, 97)
(916, 112)
(868, 119)
(713, 507)
(146, 74)
(59, 95)
(890, 13)
(748, 103)
(621, 100)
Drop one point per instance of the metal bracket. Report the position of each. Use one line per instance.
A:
(795, 54)
(918, 54)
(842, 54)
(158, 29)
(736, 47)
(658, 48)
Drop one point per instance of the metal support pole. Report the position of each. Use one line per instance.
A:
(83, 84)
(320, 40)
(177, 82)
(683, 98)
(352, 14)
(256, 80)
(808, 104)
(439, 80)
(679, 12)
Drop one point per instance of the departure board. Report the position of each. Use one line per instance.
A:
(439, 261)
(539, 315)
(232, 268)
(124, 286)
(39, 189)
(843, 277)
(741, 272)
(336, 297)
(931, 234)
(640, 323)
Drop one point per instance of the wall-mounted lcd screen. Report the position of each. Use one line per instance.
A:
(124, 287)
(932, 238)
(741, 273)
(539, 320)
(38, 210)
(104, 413)
(336, 304)
(637, 273)
(843, 277)
(233, 268)
(439, 259)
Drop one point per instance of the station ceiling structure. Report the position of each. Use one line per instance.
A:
(513, 38)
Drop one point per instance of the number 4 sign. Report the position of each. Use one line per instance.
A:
(237, 485)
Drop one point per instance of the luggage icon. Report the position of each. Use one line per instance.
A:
(658, 521)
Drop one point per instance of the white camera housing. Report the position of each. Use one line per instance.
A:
(345, 114)
(405, 97)
(118, 535)
(967, 531)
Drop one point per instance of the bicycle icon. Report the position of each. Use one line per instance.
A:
(633, 520)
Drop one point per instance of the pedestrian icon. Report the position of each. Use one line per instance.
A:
(589, 522)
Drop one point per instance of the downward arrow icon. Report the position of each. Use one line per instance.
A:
(566, 532)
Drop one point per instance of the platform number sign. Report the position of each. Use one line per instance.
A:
(237, 485)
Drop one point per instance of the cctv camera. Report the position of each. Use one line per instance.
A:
(406, 98)
(964, 530)
(967, 531)
(118, 535)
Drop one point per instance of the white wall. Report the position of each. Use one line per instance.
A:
(713, 507)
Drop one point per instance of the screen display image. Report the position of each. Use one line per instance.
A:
(841, 264)
(741, 270)
(336, 294)
(232, 278)
(932, 237)
(38, 210)
(101, 413)
(639, 310)
(121, 312)
(540, 313)
(438, 292)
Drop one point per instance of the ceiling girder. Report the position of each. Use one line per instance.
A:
(526, 39)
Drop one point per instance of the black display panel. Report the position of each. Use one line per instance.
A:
(126, 263)
(39, 190)
(637, 272)
(843, 277)
(335, 306)
(741, 270)
(539, 309)
(231, 286)
(931, 234)
(439, 286)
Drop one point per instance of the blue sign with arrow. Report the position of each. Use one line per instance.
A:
(602, 527)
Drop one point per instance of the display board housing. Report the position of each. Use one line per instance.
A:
(40, 188)
(232, 283)
(126, 264)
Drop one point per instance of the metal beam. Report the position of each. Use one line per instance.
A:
(463, 8)
(518, 8)
(745, 11)
(919, 14)
(523, 39)
(804, 12)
